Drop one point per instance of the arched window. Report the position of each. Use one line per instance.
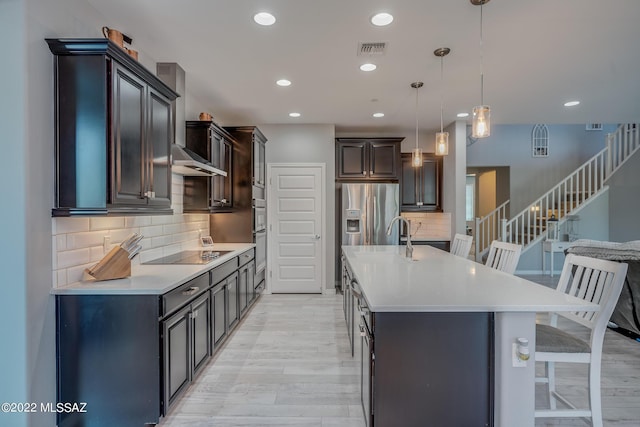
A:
(540, 141)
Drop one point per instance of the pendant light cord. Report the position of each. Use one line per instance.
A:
(441, 90)
(481, 62)
(417, 88)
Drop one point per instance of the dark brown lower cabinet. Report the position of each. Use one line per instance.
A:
(176, 339)
(130, 357)
(186, 346)
(107, 353)
(233, 301)
(427, 369)
(219, 315)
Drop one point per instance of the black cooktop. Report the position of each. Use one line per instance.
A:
(189, 257)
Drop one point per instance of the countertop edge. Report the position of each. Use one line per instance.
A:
(530, 296)
(168, 277)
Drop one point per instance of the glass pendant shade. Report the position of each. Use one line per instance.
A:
(442, 143)
(481, 123)
(416, 157)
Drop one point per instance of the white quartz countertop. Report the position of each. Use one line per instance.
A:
(436, 281)
(153, 278)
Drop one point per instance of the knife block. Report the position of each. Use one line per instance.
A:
(115, 265)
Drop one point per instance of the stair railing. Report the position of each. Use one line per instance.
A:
(621, 145)
(530, 225)
(488, 229)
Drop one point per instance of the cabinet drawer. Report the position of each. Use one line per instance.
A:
(223, 271)
(181, 295)
(246, 257)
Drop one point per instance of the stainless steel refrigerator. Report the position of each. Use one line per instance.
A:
(366, 211)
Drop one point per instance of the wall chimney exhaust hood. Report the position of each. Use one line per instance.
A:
(186, 162)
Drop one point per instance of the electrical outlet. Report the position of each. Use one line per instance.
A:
(515, 360)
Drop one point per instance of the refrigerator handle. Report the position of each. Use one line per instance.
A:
(374, 215)
(366, 217)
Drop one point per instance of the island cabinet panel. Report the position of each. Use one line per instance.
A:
(368, 159)
(113, 132)
(430, 366)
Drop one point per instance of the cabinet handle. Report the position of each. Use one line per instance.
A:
(192, 290)
(364, 173)
(370, 172)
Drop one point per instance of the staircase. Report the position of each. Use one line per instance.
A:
(568, 197)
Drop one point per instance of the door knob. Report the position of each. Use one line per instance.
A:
(316, 237)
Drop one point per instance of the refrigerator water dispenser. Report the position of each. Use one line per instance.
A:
(352, 217)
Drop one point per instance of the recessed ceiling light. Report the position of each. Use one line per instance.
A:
(368, 67)
(462, 115)
(294, 114)
(382, 19)
(571, 103)
(378, 114)
(283, 82)
(264, 18)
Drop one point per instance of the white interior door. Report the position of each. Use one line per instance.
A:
(296, 225)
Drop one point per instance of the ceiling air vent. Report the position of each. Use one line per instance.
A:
(594, 126)
(371, 48)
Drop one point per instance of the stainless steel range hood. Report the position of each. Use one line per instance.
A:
(186, 162)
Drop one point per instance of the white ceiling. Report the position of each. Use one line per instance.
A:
(537, 55)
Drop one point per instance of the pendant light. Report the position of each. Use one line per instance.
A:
(442, 138)
(416, 154)
(481, 122)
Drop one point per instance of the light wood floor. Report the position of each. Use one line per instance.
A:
(288, 364)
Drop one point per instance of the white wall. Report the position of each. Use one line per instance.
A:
(15, 366)
(309, 144)
(27, 370)
(455, 177)
(510, 145)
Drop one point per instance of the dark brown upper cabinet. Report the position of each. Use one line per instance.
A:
(368, 159)
(216, 145)
(421, 187)
(113, 132)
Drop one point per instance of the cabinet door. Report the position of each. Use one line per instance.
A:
(251, 280)
(422, 187)
(384, 161)
(352, 160)
(259, 169)
(221, 186)
(243, 281)
(429, 185)
(201, 327)
(233, 314)
(128, 112)
(219, 308)
(409, 184)
(159, 149)
(177, 366)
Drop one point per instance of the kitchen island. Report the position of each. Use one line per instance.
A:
(437, 337)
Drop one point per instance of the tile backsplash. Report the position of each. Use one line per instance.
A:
(78, 243)
(429, 225)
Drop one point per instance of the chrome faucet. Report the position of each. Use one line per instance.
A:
(409, 251)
